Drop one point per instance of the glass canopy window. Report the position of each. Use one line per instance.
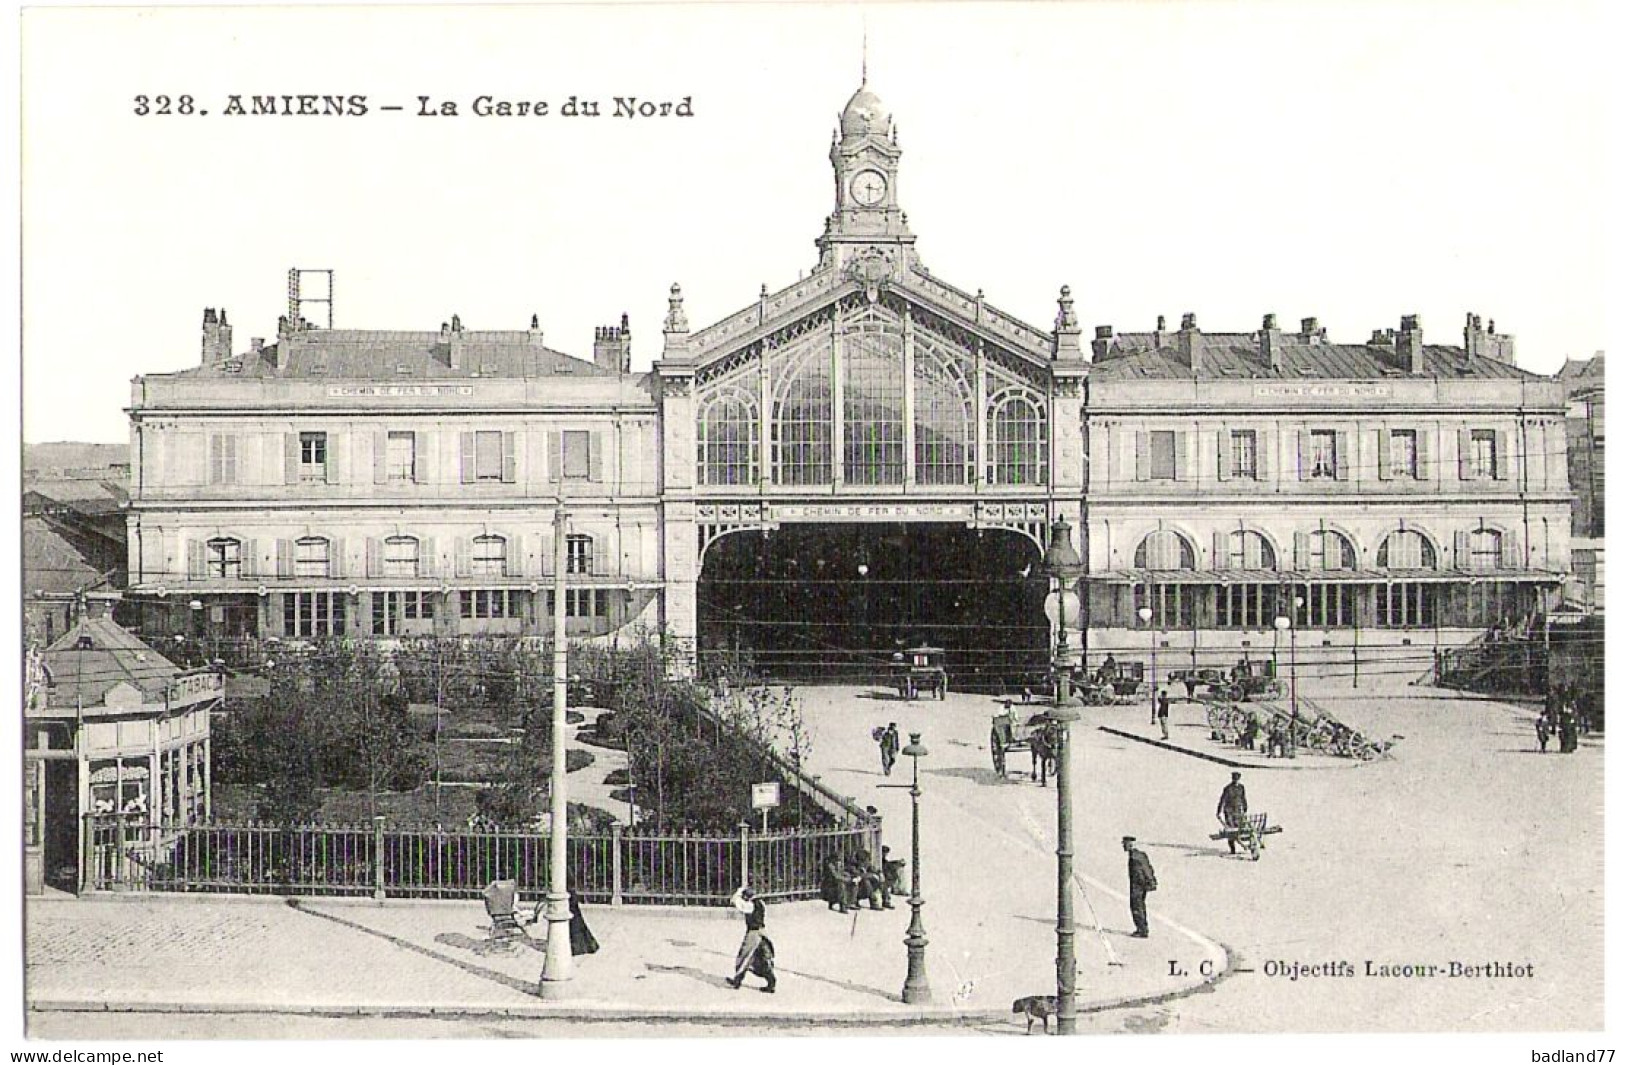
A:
(872, 401)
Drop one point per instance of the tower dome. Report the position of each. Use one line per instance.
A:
(864, 115)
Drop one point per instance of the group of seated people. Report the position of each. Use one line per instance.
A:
(850, 879)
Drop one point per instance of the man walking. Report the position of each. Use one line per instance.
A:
(1162, 711)
(1232, 811)
(1141, 879)
(890, 744)
(755, 950)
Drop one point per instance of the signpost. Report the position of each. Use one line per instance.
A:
(764, 797)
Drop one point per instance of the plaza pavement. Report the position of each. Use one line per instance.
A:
(1463, 844)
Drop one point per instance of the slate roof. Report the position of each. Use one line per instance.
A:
(83, 676)
(50, 562)
(401, 355)
(1238, 355)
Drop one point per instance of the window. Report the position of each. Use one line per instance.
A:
(222, 458)
(490, 603)
(727, 440)
(1246, 606)
(802, 428)
(487, 456)
(872, 405)
(313, 613)
(577, 454)
(583, 603)
(400, 557)
(1481, 461)
(1017, 442)
(1322, 454)
(1402, 454)
(1244, 454)
(1163, 464)
(1484, 549)
(490, 558)
(401, 457)
(1407, 605)
(313, 457)
(224, 558)
(1324, 606)
(390, 609)
(1164, 549)
(1173, 606)
(1406, 549)
(1249, 550)
(310, 557)
(1330, 550)
(578, 554)
(942, 417)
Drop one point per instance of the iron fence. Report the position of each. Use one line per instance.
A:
(125, 852)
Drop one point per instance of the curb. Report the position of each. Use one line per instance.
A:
(1352, 763)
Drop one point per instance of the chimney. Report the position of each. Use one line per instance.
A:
(256, 345)
(612, 346)
(216, 337)
(452, 335)
(1190, 343)
(1408, 344)
(1310, 331)
(1102, 344)
(1159, 337)
(535, 331)
(1487, 343)
(1269, 342)
(1068, 334)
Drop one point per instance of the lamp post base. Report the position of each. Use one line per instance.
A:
(557, 963)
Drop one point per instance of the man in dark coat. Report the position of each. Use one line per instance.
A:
(1141, 879)
(1232, 810)
(890, 744)
(755, 950)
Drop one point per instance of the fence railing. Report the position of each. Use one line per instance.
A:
(125, 852)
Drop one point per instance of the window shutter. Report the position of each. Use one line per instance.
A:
(196, 569)
(1463, 538)
(1385, 458)
(1511, 551)
(380, 457)
(595, 457)
(214, 458)
(600, 556)
(1261, 453)
(290, 458)
(1464, 445)
(251, 558)
(284, 558)
(465, 563)
(422, 468)
(335, 557)
(375, 557)
(428, 559)
(466, 457)
(231, 458)
(1142, 456)
(1300, 550)
(508, 457)
(1223, 451)
(337, 465)
(1344, 458)
(1221, 549)
(1424, 455)
(555, 456)
(1303, 455)
(1180, 469)
(1503, 456)
(515, 564)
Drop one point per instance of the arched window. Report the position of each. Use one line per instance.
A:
(1016, 442)
(872, 405)
(311, 557)
(1407, 549)
(223, 557)
(490, 557)
(1484, 549)
(1249, 550)
(401, 556)
(1165, 549)
(1330, 550)
(942, 413)
(728, 440)
(578, 553)
(802, 433)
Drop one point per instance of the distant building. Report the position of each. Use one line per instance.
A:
(1582, 380)
(70, 546)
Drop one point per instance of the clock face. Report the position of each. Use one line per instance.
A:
(869, 187)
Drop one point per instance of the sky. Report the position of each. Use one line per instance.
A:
(1351, 162)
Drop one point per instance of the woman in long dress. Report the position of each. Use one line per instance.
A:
(755, 950)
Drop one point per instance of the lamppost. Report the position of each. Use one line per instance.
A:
(1062, 563)
(557, 964)
(1145, 619)
(916, 989)
(1284, 624)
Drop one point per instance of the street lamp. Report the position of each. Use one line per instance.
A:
(1062, 563)
(1284, 624)
(916, 989)
(1145, 619)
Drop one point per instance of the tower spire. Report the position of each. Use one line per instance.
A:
(863, 81)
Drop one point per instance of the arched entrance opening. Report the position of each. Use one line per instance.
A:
(834, 602)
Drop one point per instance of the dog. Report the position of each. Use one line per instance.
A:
(1037, 1008)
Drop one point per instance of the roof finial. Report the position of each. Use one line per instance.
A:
(864, 81)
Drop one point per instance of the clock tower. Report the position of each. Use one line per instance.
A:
(866, 221)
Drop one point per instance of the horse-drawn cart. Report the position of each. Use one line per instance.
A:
(1307, 727)
(919, 670)
(1009, 734)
